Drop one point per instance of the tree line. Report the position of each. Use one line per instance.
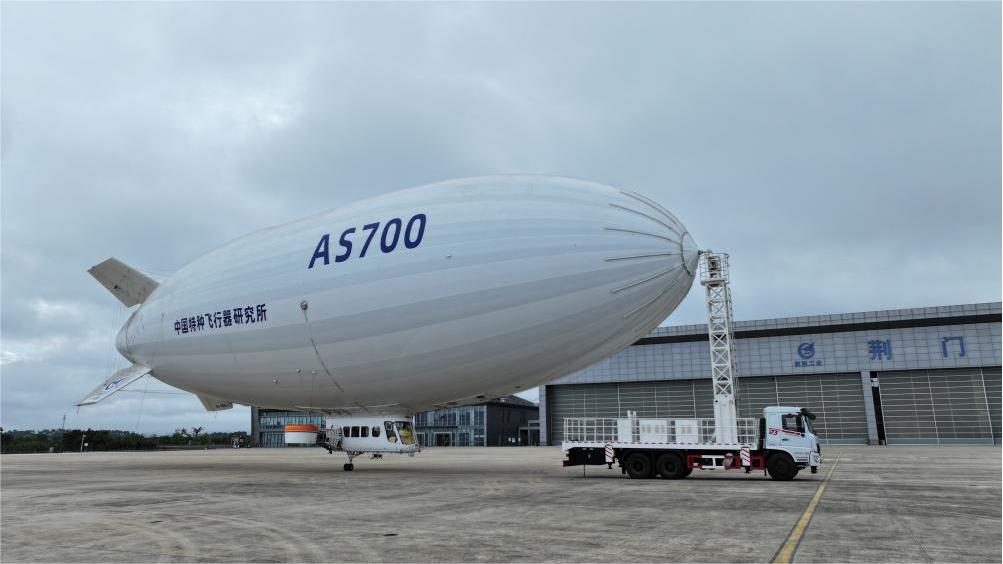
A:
(73, 440)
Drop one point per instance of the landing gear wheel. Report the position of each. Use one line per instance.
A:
(781, 467)
(670, 466)
(349, 467)
(638, 465)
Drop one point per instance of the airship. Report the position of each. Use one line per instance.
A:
(445, 294)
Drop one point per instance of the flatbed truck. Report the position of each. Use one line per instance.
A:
(782, 443)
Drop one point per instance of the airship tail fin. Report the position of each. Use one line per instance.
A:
(116, 382)
(129, 285)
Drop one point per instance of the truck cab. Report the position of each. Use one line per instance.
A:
(789, 430)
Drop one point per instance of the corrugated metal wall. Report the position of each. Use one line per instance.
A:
(952, 406)
(674, 398)
(837, 400)
(992, 379)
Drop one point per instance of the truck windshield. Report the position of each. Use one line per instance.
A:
(808, 425)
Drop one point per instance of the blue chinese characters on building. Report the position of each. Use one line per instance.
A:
(200, 322)
(879, 350)
(807, 353)
(947, 346)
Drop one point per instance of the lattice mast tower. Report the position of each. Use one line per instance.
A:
(714, 278)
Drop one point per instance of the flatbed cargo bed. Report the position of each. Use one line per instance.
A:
(568, 445)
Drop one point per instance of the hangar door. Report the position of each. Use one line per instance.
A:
(837, 400)
(941, 406)
(663, 399)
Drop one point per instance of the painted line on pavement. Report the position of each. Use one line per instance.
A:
(785, 554)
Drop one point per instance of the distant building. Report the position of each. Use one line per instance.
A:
(507, 421)
(268, 425)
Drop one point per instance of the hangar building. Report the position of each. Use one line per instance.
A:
(920, 376)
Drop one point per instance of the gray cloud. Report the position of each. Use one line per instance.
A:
(847, 155)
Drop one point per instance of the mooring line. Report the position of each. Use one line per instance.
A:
(785, 554)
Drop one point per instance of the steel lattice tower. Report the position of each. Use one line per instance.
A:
(714, 277)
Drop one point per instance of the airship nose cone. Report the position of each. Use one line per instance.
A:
(689, 253)
(656, 256)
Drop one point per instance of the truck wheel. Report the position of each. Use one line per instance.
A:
(638, 465)
(781, 467)
(670, 465)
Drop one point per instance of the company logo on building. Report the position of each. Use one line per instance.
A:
(807, 353)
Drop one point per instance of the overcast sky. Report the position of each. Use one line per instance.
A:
(847, 155)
